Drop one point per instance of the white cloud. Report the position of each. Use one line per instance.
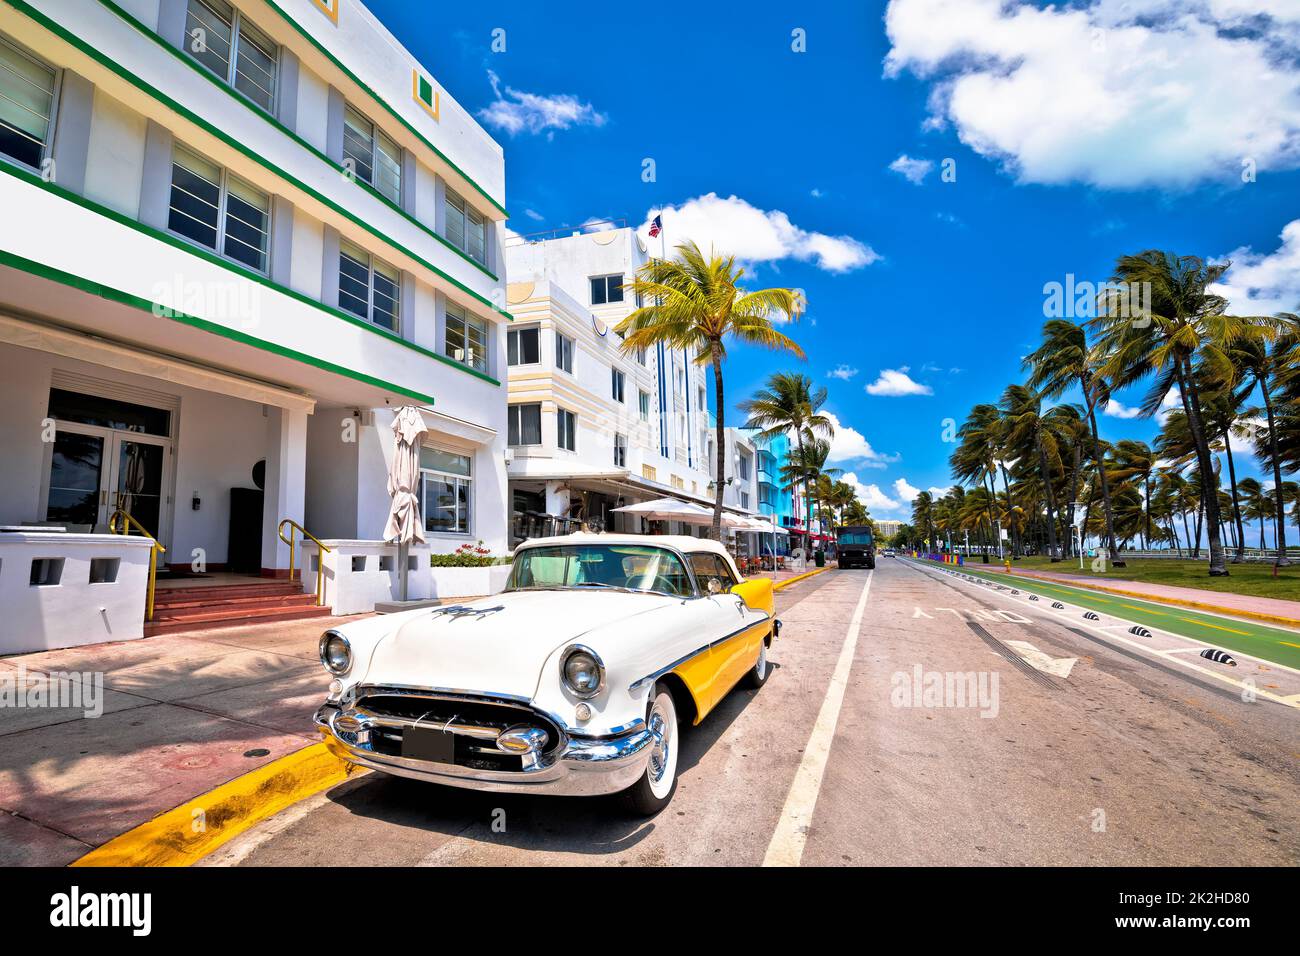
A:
(734, 227)
(1264, 283)
(904, 490)
(936, 492)
(850, 445)
(876, 500)
(843, 372)
(816, 193)
(518, 112)
(1116, 93)
(1117, 409)
(896, 381)
(533, 214)
(913, 170)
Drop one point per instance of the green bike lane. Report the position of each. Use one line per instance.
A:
(1274, 644)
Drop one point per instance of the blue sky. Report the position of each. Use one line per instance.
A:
(1076, 134)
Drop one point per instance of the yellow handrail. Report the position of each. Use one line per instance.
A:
(127, 524)
(320, 563)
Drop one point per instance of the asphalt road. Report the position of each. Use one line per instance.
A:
(1124, 756)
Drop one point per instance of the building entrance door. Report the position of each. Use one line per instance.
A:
(96, 469)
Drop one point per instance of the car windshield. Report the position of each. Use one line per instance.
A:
(855, 537)
(629, 567)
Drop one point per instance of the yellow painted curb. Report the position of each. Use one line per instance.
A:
(1195, 605)
(185, 834)
(798, 577)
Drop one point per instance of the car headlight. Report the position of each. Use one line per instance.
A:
(335, 652)
(582, 671)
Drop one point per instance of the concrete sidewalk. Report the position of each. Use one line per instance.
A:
(181, 714)
(1286, 613)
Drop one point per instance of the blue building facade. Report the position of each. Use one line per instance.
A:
(774, 501)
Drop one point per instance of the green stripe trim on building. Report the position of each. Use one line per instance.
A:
(382, 102)
(162, 311)
(264, 115)
(242, 271)
(68, 37)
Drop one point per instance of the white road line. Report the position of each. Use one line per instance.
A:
(1293, 701)
(786, 847)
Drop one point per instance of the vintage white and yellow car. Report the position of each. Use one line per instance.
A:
(575, 680)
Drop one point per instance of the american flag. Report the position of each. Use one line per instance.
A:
(656, 226)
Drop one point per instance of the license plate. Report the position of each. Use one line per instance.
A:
(429, 743)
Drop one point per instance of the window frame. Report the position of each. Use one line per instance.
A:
(702, 577)
(560, 414)
(620, 450)
(223, 204)
(564, 346)
(604, 280)
(377, 136)
(52, 119)
(453, 201)
(457, 481)
(370, 263)
(517, 336)
(468, 320)
(515, 409)
(618, 384)
(643, 404)
(237, 22)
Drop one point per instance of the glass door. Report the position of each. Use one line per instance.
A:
(77, 493)
(137, 480)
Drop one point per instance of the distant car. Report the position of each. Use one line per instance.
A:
(889, 552)
(573, 681)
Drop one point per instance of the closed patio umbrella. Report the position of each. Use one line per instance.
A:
(404, 520)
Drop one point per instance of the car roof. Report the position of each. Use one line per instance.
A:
(681, 542)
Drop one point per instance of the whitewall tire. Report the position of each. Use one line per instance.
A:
(655, 789)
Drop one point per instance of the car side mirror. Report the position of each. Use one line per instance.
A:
(715, 586)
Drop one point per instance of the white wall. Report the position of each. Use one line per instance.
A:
(116, 156)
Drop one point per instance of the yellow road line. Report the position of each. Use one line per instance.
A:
(1217, 627)
(1289, 644)
(797, 578)
(185, 834)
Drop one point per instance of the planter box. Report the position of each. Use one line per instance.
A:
(469, 582)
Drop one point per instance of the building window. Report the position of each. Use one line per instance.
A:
(523, 346)
(466, 339)
(371, 156)
(564, 352)
(606, 289)
(466, 229)
(446, 486)
(218, 36)
(641, 356)
(742, 467)
(620, 450)
(649, 473)
(26, 104)
(643, 404)
(524, 425)
(219, 211)
(566, 430)
(678, 483)
(617, 382)
(368, 287)
(744, 499)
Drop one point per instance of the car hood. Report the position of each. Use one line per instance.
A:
(501, 647)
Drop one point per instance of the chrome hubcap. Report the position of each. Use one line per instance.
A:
(762, 660)
(662, 748)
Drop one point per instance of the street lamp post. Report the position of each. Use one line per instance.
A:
(1077, 514)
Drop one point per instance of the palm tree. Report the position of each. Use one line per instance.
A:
(1187, 332)
(806, 469)
(1064, 359)
(790, 404)
(1135, 460)
(1022, 407)
(697, 304)
(1258, 504)
(1265, 365)
(923, 517)
(977, 453)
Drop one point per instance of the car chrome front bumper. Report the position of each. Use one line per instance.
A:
(583, 766)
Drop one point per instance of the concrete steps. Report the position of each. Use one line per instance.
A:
(230, 605)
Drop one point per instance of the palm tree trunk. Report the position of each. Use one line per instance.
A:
(798, 434)
(1280, 537)
(1048, 497)
(1236, 505)
(1210, 497)
(1146, 505)
(720, 441)
(1011, 515)
(1099, 458)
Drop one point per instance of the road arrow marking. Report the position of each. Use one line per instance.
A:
(1056, 666)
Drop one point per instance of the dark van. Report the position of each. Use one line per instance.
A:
(855, 547)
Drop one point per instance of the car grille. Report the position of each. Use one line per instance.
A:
(474, 723)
